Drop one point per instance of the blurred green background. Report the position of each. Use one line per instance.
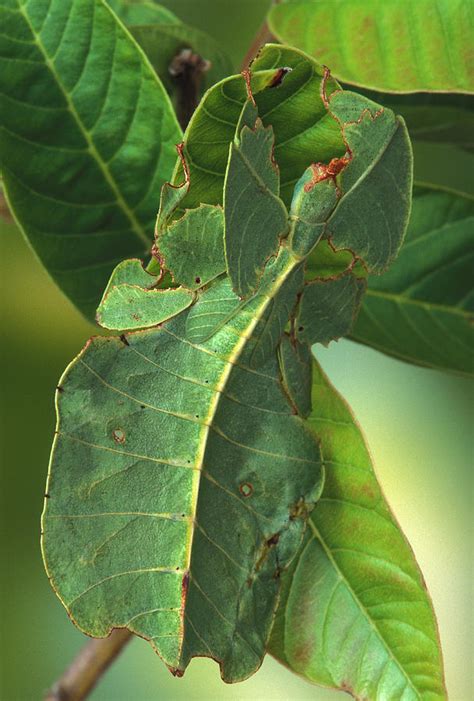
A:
(418, 424)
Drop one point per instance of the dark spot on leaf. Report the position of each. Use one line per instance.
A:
(137, 317)
(47, 496)
(273, 540)
(279, 76)
(197, 280)
(246, 489)
(118, 435)
(197, 416)
(142, 406)
(123, 338)
(300, 328)
(60, 389)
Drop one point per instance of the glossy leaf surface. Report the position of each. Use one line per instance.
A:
(355, 614)
(392, 46)
(422, 309)
(87, 136)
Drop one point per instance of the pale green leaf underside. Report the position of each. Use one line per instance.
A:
(355, 614)
(392, 46)
(78, 103)
(133, 307)
(174, 530)
(422, 309)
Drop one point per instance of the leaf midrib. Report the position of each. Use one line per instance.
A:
(135, 224)
(431, 306)
(219, 392)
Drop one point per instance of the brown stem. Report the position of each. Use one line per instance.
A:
(85, 671)
(187, 71)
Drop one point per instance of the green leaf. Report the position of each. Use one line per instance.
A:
(179, 489)
(87, 137)
(328, 308)
(133, 301)
(133, 12)
(255, 217)
(304, 131)
(355, 614)
(392, 46)
(434, 118)
(192, 248)
(422, 309)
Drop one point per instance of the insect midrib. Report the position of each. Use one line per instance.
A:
(231, 361)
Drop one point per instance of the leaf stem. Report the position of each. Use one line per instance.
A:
(87, 668)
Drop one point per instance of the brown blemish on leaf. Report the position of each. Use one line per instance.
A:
(118, 435)
(123, 338)
(246, 489)
(60, 389)
(247, 77)
(321, 171)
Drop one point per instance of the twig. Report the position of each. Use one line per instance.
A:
(85, 671)
(187, 71)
